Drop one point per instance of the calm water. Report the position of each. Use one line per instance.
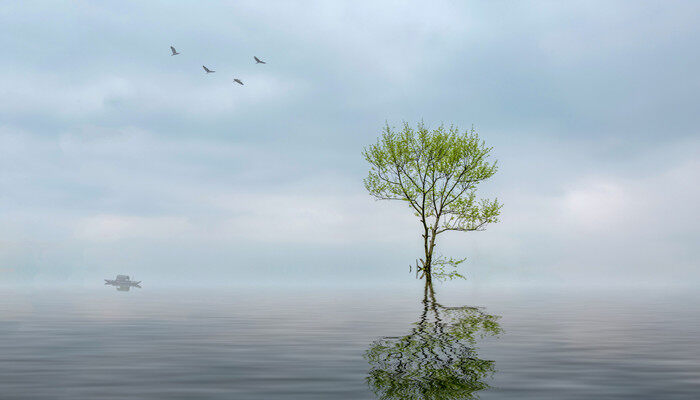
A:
(348, 344)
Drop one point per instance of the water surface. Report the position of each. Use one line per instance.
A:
(348, 344)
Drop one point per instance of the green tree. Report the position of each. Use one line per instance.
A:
(437, 173)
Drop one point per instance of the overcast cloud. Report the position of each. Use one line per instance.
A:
(117, 158)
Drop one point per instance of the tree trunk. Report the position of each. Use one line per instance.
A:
(428, 252)
(429, 247)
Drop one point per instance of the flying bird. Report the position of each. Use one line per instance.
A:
(174, 51)
(258, 61)
(207, 70)
(238, 81)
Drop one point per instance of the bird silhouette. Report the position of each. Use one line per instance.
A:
(258, 61)
(238, 81)
(174, 51)
(207, 70)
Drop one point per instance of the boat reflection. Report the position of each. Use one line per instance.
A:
(438, 358)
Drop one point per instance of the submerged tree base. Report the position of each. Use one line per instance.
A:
(442, 268)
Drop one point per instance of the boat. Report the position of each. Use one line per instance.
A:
(123, 283)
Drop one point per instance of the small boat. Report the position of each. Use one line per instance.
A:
(123, 283)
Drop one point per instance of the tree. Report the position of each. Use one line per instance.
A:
(437, 173)
(438, 359)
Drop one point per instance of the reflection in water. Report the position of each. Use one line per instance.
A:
(438, 359)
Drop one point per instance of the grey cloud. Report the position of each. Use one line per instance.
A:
(99, 121)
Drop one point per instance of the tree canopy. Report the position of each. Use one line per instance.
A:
(436, 172)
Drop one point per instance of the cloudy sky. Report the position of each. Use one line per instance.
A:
(117, 158)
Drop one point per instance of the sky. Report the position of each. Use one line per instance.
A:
(118, 158)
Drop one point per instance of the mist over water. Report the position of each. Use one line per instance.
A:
(101, 343)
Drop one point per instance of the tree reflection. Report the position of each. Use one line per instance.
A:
(438, 359)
